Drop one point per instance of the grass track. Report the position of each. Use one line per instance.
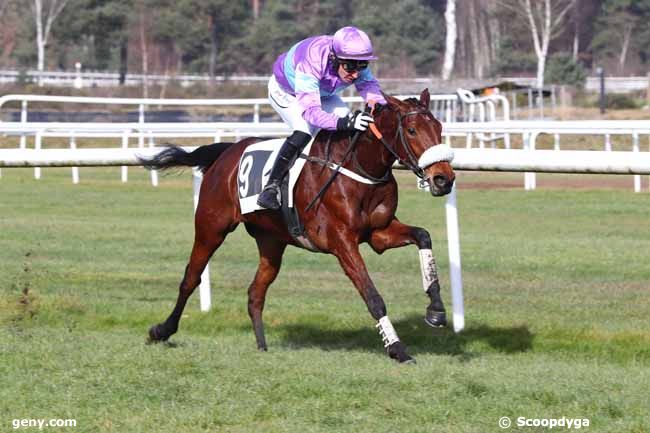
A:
(556, 286)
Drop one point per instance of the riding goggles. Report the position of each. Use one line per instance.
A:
(350, 65)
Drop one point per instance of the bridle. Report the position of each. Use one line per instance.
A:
(411, 161)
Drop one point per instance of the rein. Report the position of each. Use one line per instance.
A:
(349, 150)
(411, 164)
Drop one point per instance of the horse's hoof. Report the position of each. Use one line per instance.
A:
(404, 358)
(156, 335)
(262, 348)
(436, 319)
(397, 351)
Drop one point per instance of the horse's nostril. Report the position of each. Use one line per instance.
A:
(440, 181)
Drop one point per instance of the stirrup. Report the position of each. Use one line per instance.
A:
(269, 198)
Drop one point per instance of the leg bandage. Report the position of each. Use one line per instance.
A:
(428, 267)
(386, 331)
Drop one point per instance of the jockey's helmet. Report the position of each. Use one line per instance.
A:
(352, 43)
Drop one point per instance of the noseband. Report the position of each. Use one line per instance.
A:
(411, 162)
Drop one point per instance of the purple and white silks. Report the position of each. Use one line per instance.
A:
(307, 72)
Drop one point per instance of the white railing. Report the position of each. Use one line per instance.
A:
(592, 84)
(125, 132)
(531, 130)
(607, 162)
(151, 132)
(446, 107)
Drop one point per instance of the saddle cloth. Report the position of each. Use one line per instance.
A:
(255, 168)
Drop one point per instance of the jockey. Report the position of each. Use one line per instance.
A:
(303, 90)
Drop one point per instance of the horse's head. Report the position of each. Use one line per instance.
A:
(417, 141)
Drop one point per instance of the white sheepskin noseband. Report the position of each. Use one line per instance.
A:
(434, 154)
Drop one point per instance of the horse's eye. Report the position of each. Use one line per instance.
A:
(411, 131)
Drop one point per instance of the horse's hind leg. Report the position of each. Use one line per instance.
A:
(347, 252)
(271, 251)
(207, 239)
(397, 235)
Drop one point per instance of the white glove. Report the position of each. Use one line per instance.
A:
(358, 121)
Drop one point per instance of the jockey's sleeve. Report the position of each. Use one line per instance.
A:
(313, 112)
(368, 87)
(307, 90)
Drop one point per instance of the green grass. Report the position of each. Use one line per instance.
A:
(556, 285)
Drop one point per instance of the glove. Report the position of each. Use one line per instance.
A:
(357, 121)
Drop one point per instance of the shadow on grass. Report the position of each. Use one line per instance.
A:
(419, 338)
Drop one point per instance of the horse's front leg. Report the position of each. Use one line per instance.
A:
(397, 235)
(347, 252)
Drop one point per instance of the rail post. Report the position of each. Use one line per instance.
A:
(455, 274)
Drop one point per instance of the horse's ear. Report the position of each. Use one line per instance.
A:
(425, 98)
(392, 101)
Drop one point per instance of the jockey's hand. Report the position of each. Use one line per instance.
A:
(357, 121)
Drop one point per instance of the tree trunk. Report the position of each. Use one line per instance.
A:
(256, 9)
(626, 45)
(213, 46)
(576, 30)
(145, 60)
(40, 43)
(462, 52)
(450, 40)
(483, 39)
(124, 54)
(477, 69)
(494, 31)
(43, 28)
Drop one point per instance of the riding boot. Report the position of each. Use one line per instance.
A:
(269, 198)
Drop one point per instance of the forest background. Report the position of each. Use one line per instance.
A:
(224, 37)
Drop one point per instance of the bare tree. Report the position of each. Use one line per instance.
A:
(478, 37)
(256, 9)
(450, 40)
(576, 29)
(544, 18)
(3, 6)
(144, 52)
(45, 13)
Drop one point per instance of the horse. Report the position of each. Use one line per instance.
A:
(345, 215)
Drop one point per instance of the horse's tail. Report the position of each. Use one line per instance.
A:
(176, 156)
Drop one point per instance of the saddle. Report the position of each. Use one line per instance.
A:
(252, 175)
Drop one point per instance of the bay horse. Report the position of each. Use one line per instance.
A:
(346, 215)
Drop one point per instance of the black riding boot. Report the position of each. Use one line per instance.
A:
(269, 198)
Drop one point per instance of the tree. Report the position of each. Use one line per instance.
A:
(406, 35)
(450, 39)
(479, 38)
(222, 22)
(563, 69)
(45, 13)
(544, 18)
(96, 31)
(618, 22)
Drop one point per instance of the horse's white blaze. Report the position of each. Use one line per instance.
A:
(434, 154)
(428, 267)
(386, 331)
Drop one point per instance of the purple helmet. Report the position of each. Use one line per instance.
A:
(352, 43)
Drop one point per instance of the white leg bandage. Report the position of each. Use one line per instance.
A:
(428, 267)
(386, 331)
